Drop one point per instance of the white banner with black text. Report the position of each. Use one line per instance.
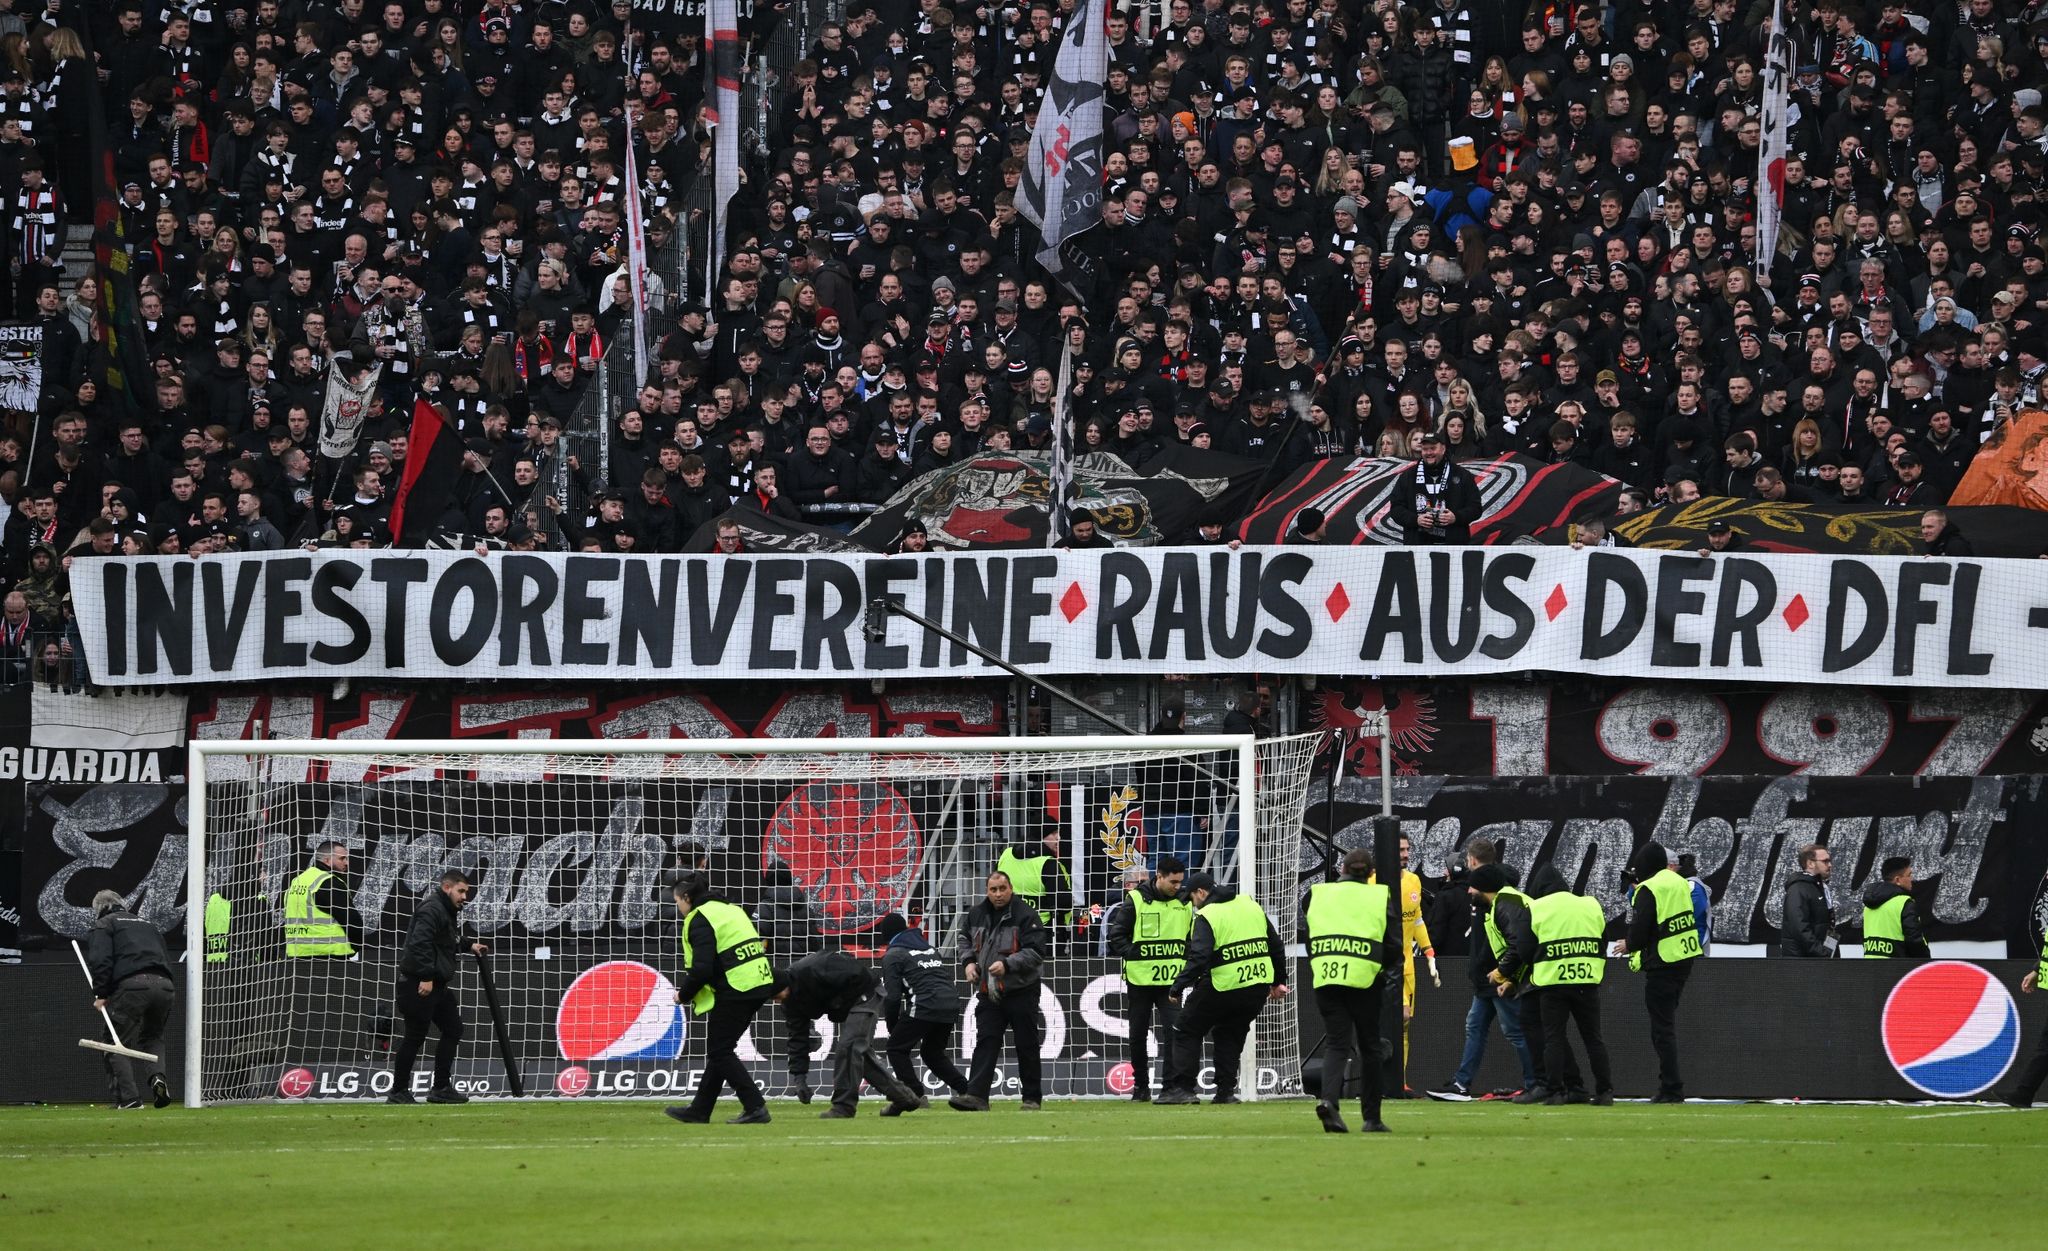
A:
(1436, 612)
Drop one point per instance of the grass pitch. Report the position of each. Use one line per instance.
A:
(621, 1177)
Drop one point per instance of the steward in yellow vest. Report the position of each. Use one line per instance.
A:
(1148, 931)
(1891, 918)
(1564, 954)
(1235, 963)
(1345, 926)
(1663, 944)
(319, 919)
(726, 980)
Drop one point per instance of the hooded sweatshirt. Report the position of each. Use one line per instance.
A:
(1881, 892)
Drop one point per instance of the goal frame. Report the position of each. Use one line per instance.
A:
(1243, 747)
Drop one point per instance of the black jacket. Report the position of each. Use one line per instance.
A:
(121, 945)
(917, 983)
(1202, 951)
(1915, 946)
(828, 984)
(1460, 495)
(1807, 918)
(1013, 935)
(431, 941)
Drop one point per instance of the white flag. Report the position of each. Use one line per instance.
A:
(1062, 188)
(1779, 67)
(722, 56)
(341, 416)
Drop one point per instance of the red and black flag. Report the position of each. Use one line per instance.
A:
(1521, 498)
(426, 490)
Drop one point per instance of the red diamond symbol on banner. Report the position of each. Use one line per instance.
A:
(1796, 614)
(1557, 601)
(1073, 603)
(1338, 604)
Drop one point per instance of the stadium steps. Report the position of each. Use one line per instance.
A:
(77, 255)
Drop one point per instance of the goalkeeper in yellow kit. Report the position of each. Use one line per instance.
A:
(1414, 937)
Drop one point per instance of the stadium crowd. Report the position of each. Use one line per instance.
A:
(1328, 228)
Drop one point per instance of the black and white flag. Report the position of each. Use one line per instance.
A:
(1063, 173)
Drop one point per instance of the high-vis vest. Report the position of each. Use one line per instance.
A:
(218, 913)
(1159, 932)
(1347, 931)
(307, 930)
(1678, 930)
(741, 955)
(1027, 878)
(1494, 938)
(1884, 928)
(1568, 929)
(1242, 957)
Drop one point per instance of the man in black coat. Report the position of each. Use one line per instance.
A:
(426, 989)
(1807, 929)
(921, 1002)
(834, 985)
(131, 979)
(1436, 503)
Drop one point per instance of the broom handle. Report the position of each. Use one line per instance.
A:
(87, 970)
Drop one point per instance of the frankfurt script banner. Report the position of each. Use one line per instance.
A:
(151, 621)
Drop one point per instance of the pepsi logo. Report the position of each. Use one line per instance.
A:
(1119, 1079)
(572, 1081)
(295, 1083)
(619, 1010)
(1951, 1029)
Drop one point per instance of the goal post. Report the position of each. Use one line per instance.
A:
(571, 842)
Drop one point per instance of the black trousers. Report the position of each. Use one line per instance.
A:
(438, 1010)
(1017, 1013)
(1563, 1005)
(1351, 1020)
(931, 1041)
(1663, 986)
(723, 1028)
(2035, 1073)
(140, 1006)
(1146, 1002)
(1224, 1017)
(1536, 1028)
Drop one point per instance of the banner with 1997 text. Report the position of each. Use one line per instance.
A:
(1369, 611)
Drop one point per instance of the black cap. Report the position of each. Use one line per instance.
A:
(891, 924)
(1489, 878)
(1201, 881)
(1432, 436)
(1719, 526)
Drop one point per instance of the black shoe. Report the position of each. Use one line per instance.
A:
(1374, 1126)
(1451, 1092)
(1141, 1096)
(687, 1115)
(1029, 1105)
(759, 1116)
(1577, 1096)
(1665, 1096)
(804, 1092)
(1535, 1094)
(162, 1090)
(839, 1114)
(2016, 1101)
(400, 1096)
(446, 1094)
(1226, 1099)
(967, 1103)
(1332, 1119)
(1557, 1100)
(898, 1109)
(1605, 1099)
(1175, 1098)
(127, 1105)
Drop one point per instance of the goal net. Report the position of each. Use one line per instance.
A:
(308, 858)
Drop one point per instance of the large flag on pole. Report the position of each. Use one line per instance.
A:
(636, 263)
(1062, 189)
(722, 56)
(433, 461)
(1780, 64)
(1060, 475)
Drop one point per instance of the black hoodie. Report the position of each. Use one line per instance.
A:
(1517, 925)
(1650, 860)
